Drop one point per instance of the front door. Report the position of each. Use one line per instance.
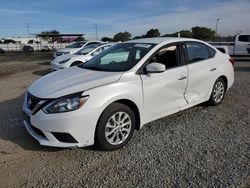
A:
(164, 92)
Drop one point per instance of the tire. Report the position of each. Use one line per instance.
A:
(112, 134)
(75, 63)
(218, 92)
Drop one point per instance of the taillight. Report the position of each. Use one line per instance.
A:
(231, 60)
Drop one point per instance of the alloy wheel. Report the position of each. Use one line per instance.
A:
(118, 128)
(218, 92)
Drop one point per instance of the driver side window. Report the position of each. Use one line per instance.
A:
(168, 56)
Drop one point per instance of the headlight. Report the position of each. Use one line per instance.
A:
(66, 104)
(64, 61)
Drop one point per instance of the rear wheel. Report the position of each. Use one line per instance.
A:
(115, 127)
(218, 92)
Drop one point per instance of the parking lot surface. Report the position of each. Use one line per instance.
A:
(199, 147)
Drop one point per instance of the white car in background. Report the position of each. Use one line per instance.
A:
(124, 87)
(81, 56)
(74, 47)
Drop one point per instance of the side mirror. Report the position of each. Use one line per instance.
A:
(155, 68)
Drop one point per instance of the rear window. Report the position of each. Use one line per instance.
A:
(244, 38)
(211, 51)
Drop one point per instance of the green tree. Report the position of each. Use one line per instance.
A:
(139, 37)
(203, 33)
(122, 36)
(106, 39)
(52, 38)
(153, 33)
(183, 33)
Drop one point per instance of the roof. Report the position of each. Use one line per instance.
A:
(158, 40)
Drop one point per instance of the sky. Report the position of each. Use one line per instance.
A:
(113, 16)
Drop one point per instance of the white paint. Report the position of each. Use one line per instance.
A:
(156, 95)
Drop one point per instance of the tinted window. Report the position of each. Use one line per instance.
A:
(120, 57)
(244, 38)
(211, 51)
(196, 52)
(87, 49)
(169, 56)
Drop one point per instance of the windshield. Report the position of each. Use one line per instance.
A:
(118, 58)
(87, 49)
(76, 45)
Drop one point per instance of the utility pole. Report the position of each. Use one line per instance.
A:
(28, 27)
(217, 22)
(96, 32)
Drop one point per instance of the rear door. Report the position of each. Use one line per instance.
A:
(202, 70)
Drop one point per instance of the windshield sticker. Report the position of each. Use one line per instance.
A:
(143, 45)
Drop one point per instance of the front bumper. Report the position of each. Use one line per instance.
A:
(79, 124)
(56, 67)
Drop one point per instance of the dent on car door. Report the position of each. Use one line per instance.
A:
(201, 70)
(164, 92)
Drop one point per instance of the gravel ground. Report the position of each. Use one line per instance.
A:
(199, 147)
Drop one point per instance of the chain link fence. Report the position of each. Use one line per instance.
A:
(37, 47)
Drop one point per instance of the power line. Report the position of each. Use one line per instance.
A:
(28, 26)
(96, 32)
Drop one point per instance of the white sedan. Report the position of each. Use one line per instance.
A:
(124, 87)
(81, 56)
(74, 47)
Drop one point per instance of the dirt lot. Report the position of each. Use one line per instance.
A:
(199, 147)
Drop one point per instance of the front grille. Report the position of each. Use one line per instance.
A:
(32, 101)
(64, 137)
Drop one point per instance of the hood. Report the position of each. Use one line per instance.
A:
(69, 81)
(63, 57)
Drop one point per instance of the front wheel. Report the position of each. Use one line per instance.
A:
(218, 92)
(115, 127)
(75, 63)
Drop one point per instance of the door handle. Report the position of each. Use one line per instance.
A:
(182, 78)
(213, 69)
